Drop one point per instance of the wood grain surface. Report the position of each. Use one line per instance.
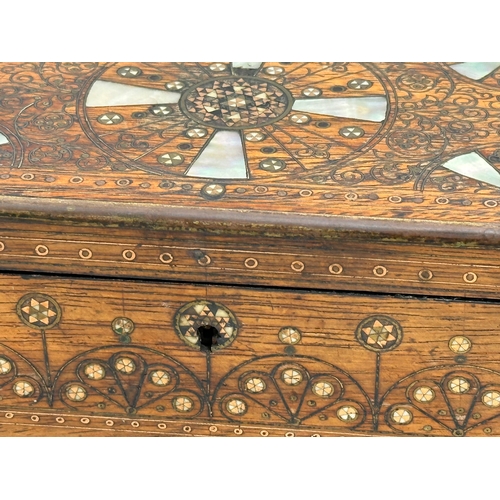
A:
(386, 159)
(111, 357)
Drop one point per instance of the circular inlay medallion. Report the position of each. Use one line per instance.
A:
(255, 385)
(459, 385)
(159, 377)
(236, 102)
(401, 416)
(39, 311)
(491, 398)
(460, 344)
(190, 317)
(23, 389)
(125, 365)
(236, 406)
(424, 394)
(5, 366)
(76, 392)
(289, 335)
(291, 376)
(182, 404)
(379, 333)
(322, 389)
(347, 413)
(94, 371)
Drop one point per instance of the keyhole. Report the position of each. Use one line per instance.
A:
(208, 336)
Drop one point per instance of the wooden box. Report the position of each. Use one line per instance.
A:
(249, 249)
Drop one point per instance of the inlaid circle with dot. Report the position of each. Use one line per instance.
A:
(125, 365)
(166, 258)
(251, 263)
(129, 255)
(85, 253)
(292, 376)
(42, 250)
(460, 344)
(491, 399)
(470, 277)
(297, 266)
(235, 102)
(335, 269)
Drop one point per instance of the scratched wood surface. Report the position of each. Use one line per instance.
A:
(111, 357)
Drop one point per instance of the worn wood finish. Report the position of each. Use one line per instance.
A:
(115, 357)
(260, 223)
(456, 269)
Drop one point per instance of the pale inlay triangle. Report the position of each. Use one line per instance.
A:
(3, 140)
(475, 70)
(360, 108)
(222, 158)
(474, 166)
(105, 93)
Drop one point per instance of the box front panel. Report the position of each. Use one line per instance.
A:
(104, 357)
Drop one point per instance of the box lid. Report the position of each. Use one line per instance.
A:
(317, 150)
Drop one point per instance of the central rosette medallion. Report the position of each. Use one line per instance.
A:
(236, 102)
